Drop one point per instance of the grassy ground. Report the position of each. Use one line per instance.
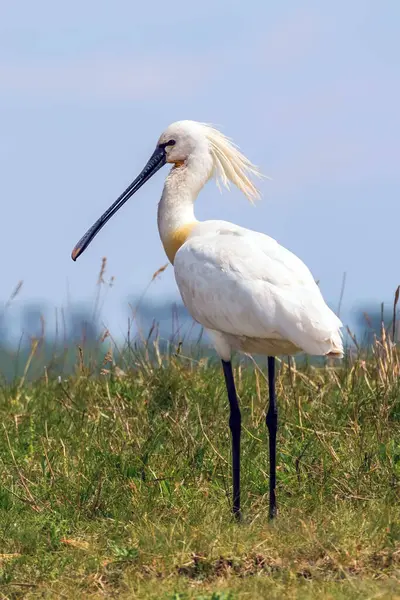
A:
(120, 486)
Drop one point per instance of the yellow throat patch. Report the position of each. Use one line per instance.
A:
(176, 239)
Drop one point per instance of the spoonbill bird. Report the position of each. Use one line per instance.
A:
(250, 293)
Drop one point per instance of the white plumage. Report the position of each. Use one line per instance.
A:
(249, 292)
(252, 294)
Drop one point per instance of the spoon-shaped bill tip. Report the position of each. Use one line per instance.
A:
(75, 253)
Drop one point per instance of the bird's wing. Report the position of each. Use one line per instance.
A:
(244, 283)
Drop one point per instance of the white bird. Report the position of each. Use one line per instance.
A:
(249, 292)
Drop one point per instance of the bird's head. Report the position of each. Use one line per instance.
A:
(194, 142)
(183, 141)
(186, 143)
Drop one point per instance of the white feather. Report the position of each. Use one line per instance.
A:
(254, 292)
(231, 164)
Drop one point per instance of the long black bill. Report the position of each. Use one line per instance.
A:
(156, 161)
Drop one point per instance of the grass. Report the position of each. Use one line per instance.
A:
(119, 486)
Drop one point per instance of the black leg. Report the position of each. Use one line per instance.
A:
(272, 424)
(235, 423)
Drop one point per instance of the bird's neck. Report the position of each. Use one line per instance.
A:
(176, 217)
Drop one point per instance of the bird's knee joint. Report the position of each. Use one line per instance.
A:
(271, 420)
(235, 422)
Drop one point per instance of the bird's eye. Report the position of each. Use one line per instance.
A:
(169, 143)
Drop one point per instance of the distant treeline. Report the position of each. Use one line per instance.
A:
(80, 323)
(65, 338)
(54, 343)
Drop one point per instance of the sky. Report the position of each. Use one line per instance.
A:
(309, 90)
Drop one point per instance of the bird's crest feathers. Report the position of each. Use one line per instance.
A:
(230, 165)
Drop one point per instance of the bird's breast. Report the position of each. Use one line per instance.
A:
(175, 239)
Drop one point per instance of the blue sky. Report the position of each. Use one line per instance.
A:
(310, 91)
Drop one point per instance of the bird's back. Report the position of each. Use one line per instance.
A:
(243, 284)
